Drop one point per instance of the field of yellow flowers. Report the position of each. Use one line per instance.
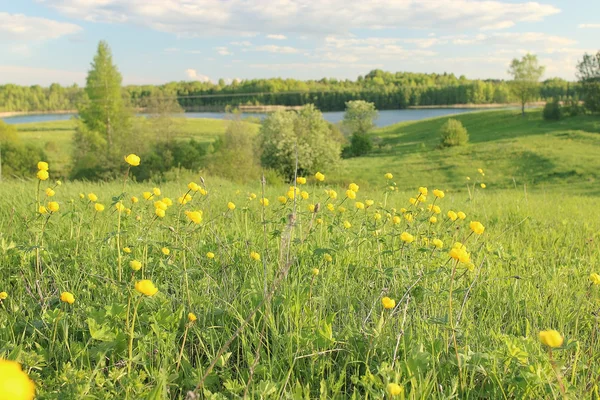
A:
(209, 290)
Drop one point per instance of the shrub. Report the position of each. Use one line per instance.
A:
(360, 144)
(553, 111)
(164, 156)
(454, 134)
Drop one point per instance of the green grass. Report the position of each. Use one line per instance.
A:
(55, 137)
(323, 336)
(514, 151)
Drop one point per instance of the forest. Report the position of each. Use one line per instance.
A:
(387, 90)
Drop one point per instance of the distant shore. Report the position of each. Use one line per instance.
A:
(263, 109)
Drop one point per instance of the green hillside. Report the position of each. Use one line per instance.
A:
(512, 149)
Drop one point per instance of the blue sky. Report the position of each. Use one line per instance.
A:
(157, 41)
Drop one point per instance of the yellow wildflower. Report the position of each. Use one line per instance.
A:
(156, 191)
(394, 389)
(134, 199)
(347, 225)
(53, 206)
(477, 227)
(359, 205)
(301, 180)
(14, 382)
(282, 199)
(50, 192)
(350, 194)
(194, 216)
(43, 175)
(192, 317)
(210, 255)
(92, 197)
(255, 256)
(388, 303)
(353, 187)
(99, 207)
(388, 176)
(264, 202)
(551, 338)
(231, 206)
(165, 251)
(439, 194)
(437, 243)
(595, 278)
(67, 297)
(320, 177)
(461, 215)
(42, 166)
(407, 237)
(132, 160)
(135, 265)
(146, 287)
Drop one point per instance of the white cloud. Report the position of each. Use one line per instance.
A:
(277, 37)
(243, 17)
(589, 26)
(193, 74)
(19, 27)
(223, 51)
(498, 26)
(171, 50)
(276, 49)
(321, 65)
(243, 43)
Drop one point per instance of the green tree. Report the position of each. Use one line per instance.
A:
(588, 73)
(526, 74)
(454, 133)
(105, 120)
(283, 133)
(359, 117)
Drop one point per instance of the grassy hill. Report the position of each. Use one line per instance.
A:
(512, 149)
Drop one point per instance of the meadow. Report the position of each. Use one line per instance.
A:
(390, 276)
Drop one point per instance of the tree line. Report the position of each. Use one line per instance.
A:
(387, 90)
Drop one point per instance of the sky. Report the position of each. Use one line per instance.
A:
(159, 41)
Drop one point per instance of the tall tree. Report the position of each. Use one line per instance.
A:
(102, 137)
(588, 73)
(359, 117)
(526, 74)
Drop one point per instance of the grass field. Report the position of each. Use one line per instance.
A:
(305, 319)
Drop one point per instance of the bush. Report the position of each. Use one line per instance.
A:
(573, 108)
(20, 160)
(553, 111)
(360, 144)
(454, 134)
(165, 156)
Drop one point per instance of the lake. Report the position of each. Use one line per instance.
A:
(386, 117)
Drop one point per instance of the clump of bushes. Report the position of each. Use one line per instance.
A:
(454, 134)
(164, 156)
(553, 111)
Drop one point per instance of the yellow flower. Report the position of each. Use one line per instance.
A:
(42, 210)
(42, 175)
(437, 243)
(291, 194)
(14, 382)
(423, 191)
(319, 221)
(327, 257)
(99, 207)
(342, 209)
(192, 317)
(388, 303)
(376, 216)
(135, 265)
(193, 186)
(396, 220)
(452, 215)
(408, 217)
(369, 203)
(203, 192)
(252, 196)
(461, 215)
(254, 255)
(194, 216)
(147, 195)
(3, 295)
(81, 196)
(42, 166)
(156, 191)
(134, 199)
(127, 250)
(412, 201)
(551, 338)
(403, 210)
(231, 206)
(320, 177)
(165, 251)
(311, 208)
(480, 170)
(53, 206)
(160, 213)
(304, 195)
(210, 255)
(468, 178)
(58, 183)
(347, 225)
(264, 201)
(92, 197)
(132, 160)
(315, 271)
(353, 187)
(350, 194)
(167, 201)
(460, 254)
(67, 297)
(394, 389)
(146, 287)
(433, 220)
(50, 192)
(477, 227)
(330, 207)
(595, 278)
(282, 199)
(388, 176)
(483, 186)
(359, 205)
(407, 237)
(332, 194)
(160, 204)
(439, 194)
(422, 199)
(300, 180)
